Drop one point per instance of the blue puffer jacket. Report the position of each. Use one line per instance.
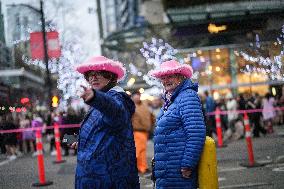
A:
(179, 139)
(106, 150)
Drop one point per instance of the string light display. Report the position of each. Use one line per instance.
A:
(271, 66)
(155, 53)
(71, 54)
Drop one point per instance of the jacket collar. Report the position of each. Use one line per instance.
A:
(185, 84)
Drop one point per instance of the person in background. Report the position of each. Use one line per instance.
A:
(19, 136)
(255, 118)
(279, 112)
(232, 107)
(210, 119)
(268, 111)
(242, 104)
(49, 119)
(28, 136)
(10, 139)
(180, 132)
(224, 117)
(70, 118)
(106, 149)
(155, 107)
(2, 136)
(142, 121)
(281, 105)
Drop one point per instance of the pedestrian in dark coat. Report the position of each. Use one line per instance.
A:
(180, 132)
(106, 152)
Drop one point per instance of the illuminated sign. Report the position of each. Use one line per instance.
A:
(212, 28)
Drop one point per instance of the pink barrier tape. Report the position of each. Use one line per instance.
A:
(38, 128)
(78, 125)
(245, 111)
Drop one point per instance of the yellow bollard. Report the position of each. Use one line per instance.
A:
(207, 168)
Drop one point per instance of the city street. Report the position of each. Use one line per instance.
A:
(22, 172)
(122, 68)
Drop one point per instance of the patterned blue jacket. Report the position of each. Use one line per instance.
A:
(179, 138)
(106, 150)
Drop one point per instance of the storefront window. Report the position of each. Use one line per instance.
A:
(213, 69)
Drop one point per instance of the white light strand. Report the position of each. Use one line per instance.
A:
(68, 79)
(265, 65)
(71, 54)
(155, 53)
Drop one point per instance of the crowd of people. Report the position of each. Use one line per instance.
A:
(263, 112)
(21, 143)
(17, 144)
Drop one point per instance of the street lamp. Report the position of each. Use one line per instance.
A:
(48, 80)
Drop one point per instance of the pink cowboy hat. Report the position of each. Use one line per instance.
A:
(172, 67)
(98, 63)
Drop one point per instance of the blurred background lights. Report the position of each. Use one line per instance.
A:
(141, 90)
(216, 95)
(202, 59)
(130, 82)
(273, 91)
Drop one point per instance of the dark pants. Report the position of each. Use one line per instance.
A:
(2, 144)
(255, 120)
(210, 125)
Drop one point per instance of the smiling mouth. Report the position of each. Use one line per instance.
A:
(95, 84)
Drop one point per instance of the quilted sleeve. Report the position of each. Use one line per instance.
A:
(194, 128)
(112, 107)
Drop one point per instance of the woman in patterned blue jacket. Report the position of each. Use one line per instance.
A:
(180, 130)
(106, 151)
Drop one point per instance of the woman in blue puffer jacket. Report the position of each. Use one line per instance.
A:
(106, 156)
(180, 132)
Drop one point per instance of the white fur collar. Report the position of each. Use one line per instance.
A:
(117, 89)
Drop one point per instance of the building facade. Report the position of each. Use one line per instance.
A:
(20, 22)
(21, 79)
(118, 15)
(217, 38)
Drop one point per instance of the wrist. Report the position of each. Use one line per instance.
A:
(91, 97)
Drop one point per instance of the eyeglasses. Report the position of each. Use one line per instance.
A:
(168, 77)
(92, 74)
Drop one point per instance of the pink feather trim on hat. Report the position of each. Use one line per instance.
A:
(98, 63)
(172, 67)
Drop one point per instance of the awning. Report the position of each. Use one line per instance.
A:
(224, 11)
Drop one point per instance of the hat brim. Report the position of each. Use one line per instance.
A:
(111, 66)
(184, 70)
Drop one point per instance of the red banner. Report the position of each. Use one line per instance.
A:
(36, 45)
(54, 50)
